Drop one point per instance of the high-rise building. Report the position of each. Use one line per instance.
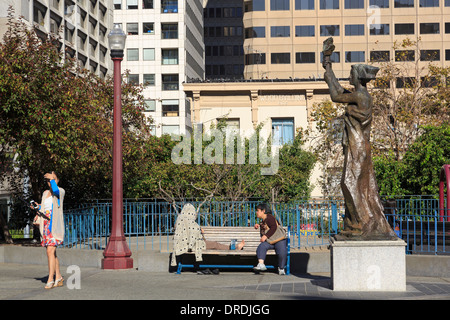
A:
(82, 24)
(164, 48)
(224, 39)
(283, 38)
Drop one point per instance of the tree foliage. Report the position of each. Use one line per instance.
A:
(225, 180)
(417, 173)
(56, 116)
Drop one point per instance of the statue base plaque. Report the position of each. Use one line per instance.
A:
(377, 265)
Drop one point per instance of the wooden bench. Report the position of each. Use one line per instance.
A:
(426, 229)
(223, 235)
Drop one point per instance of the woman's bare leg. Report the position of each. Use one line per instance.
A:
(51, 263)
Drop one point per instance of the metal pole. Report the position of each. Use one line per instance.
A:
(117, 254)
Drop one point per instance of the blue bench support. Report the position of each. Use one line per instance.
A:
(239, 266)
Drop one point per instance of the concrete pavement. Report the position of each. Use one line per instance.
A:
(26, 282)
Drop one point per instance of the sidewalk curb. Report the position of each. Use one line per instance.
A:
(152, 260)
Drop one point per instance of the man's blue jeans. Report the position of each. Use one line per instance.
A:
(280, 249)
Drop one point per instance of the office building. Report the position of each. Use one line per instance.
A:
(224, 39)
(164, 48)
(82, 24)
(283, 38)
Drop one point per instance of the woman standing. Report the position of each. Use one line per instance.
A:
(52, 229)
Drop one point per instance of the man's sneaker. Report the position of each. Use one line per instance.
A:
(260, 267)
(281, 272)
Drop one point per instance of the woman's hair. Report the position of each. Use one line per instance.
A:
(365, 72)
(265, 207)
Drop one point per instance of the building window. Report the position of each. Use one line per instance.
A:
(355, 56)
(379, 3)
(170, 108)
(149, 54)
(282, 131)
(280, 58)
(255, 32)
(255, 5)
(304, 4)
(447, 55)
(354, 4)
(279, 5)
(429, 28)
(149, 105)
(428, 3)
(379, 29)
(39, 12)
(379, 56)
(305, 31)
(133, 79)
(148, 28)
(169, 30)
(118, 4)
(329, 30)
(447, 27)
(149, 80)
(403, 3)
(335, 57)
(404, 28)
(132, 28)
(169, 56)
(430, 55)
(169, 6)
(232, 125)
(255, 58)
(405, 82)
(171, 129)
(280, 31)
(354, 29)
(329, 4)
(405, 55)
(132, 54)
(170, 82)
(305, 57)
(132, 4)
(147, 4)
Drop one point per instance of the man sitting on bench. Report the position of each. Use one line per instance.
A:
(214, 245)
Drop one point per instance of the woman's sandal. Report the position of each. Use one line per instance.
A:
(59, 282)
(49, 285)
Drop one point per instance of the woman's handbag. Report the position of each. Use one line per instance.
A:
(280, 234)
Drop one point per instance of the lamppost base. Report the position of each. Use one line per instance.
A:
(117, 263)
(117, 255)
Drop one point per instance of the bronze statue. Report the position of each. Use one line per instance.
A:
(364, 218)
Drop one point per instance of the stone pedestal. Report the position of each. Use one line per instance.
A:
(368, 265)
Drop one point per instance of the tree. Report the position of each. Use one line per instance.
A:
(56, 116)
(410, 92)
(424, 159)
(222, 179)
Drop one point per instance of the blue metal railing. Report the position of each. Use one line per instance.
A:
(420, 223)
(153, 222)
(150, 224)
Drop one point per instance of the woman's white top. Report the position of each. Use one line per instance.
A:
(48, 203)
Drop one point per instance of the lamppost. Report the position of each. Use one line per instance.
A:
(117, 254)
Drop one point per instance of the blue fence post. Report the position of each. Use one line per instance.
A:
(334, 217)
